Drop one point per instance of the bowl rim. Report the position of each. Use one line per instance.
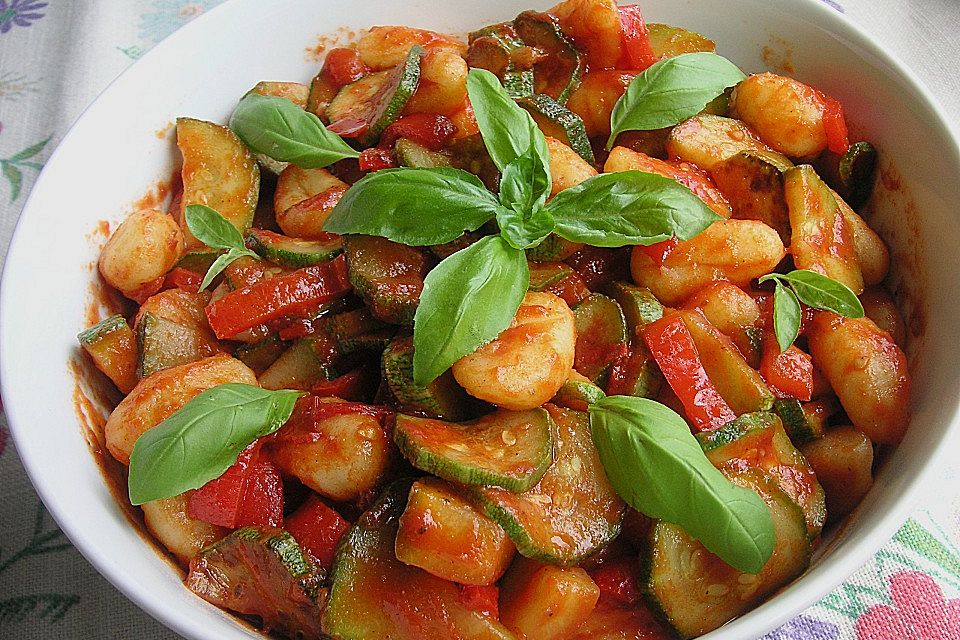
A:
(787, 605)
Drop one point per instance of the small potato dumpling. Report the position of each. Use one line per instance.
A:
(594, 98)
(567, 168)
(527, 364)
(143, 248)
(545, 602)
(594, 26)
(303, 200)
(623, 159)
(733, 250)
(868, 372)
(878, 305)
(731, 310)
(385, 47)
(339, 457)
(158, 396)
(788, 115)
(183, 536)
(843, 462)
(870, 249)
(443, 83)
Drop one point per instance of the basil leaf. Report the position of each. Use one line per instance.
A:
(414, 206)
(525, 182)
(524, 231)
(659, 469)
(467, 300)
(222, 262)
(201, 440)
(670, 91)
(508, 131)
(283, 131)
(786, 316)
(211, 228)
(627, 208)
(822, 292)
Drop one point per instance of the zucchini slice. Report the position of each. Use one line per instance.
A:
(445, 535)
(573, 511)
(197, 261)
(417, 156)
(442, 398)
(113, 347)
(509, 449)
(263, 573)
(578, 393)
(753, 185)
(172, 329)
(499, 50)
(640, 307)
(801, 425)
(544, 275)
(758, 441)
(695, 591)
(852, 174)
(363, 109)
(304, 363)
(668, 42)
(356, 330)
(296, 93)
(558, 73)
(293, 253)
(706, 140)
(388, 276)
(553, 249)
(260, 355)
(556, 121)
(601, 336)
(374, 595)
(218, 171)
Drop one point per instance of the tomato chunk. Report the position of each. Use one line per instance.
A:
(431, 130)
(248, 493)
(618, 581)
(635, 36)
(317, 529)
(790, 373)
(659, 251)
(482, 599)
(834, 124)
(343, 66)
(180, 278)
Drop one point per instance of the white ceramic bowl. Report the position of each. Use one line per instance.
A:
(113, 155)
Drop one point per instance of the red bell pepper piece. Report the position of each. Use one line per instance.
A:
(658, 252)
(618, 580)
(376, 158)
(272, 298)
(834, 124)
(250, 492)
(180, 278)
(790, 373)
(343, 66)
(635, 36)
(482, 599)
(317, 529)
(311, 410)
(431, 130)
(672, 346)
(352, 385)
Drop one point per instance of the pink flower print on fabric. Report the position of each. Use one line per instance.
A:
(919, 611)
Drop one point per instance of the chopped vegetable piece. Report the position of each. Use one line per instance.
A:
(851, 174)
(293, 253)
(306, 362)
(789, 373)
(577, 393)
(556, 121)
(376, 159)
(414, 155)
(668, 42)
(317, 529)
(387, 275)
(635, 373)
(500, 51)
(510, 449)
(546, 602)
(640, 307)
(834, 124)
(430, 130)
(262, 572)
(558, 72)
(706, 140)
(805, 422)
(442, 398)
(113, 346)
(553, 248)
(546, 274)
(753, 184)
(601, 337)
(638, 53)
(260, 355)
(617, 580)
(341, 66)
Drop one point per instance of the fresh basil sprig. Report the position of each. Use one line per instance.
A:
(201, 440)
(670, 91)
(215, 231)
(658, 468)
(812, 289)
(279, 129)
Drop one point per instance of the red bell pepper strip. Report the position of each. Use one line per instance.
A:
(431, 130)
(658, 252)
(250, 492)
(673, 348)
(180, 278)
(790, 373)
(482, 599)
(635, 36)
(376, 158)
(317, 529)
(834, 124)
(618, 581)
(343, 66)
(272, 298)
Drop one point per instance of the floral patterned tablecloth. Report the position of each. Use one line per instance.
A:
(57, 55)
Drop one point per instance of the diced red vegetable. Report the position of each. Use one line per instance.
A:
(431, 130)
(249, 493)
(629, 361)
(144, 291)
(317, 529)
(790, 373)
(834, 124)
(571, 289)
(343, 66)
(482, 599)
(599, 266)
(312, 409)
(272, 298)
(635, 36)
(352, 385)
(377, 158)
(658, 252)
(617, 580)
(180, 278)
(672, 346)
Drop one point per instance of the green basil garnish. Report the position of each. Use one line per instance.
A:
(414, 206)
(215, 231)
(200, 441)
(814, 290)
(283, 131)
(656, 465)
(628, 208)
(467, 300)
(670, 91)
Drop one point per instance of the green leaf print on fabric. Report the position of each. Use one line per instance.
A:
(43, 541)
(913, 536)
(12, 167)
(51, 607)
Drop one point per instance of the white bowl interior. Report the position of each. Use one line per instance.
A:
(114, 155)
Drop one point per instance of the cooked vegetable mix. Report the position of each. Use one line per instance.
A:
(569, 331)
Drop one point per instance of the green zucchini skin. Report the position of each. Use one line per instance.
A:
(543, 275)
(417, 156)
(260, 355)
(443, 398)
(798, 426)
(559, 74)
(498, 49)
(387, 276)
(601, 336)
(556, 121)
(509, 449)
(572, 513)
(112, 345)
(303, 364)
(293, 253)
(374, 595)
